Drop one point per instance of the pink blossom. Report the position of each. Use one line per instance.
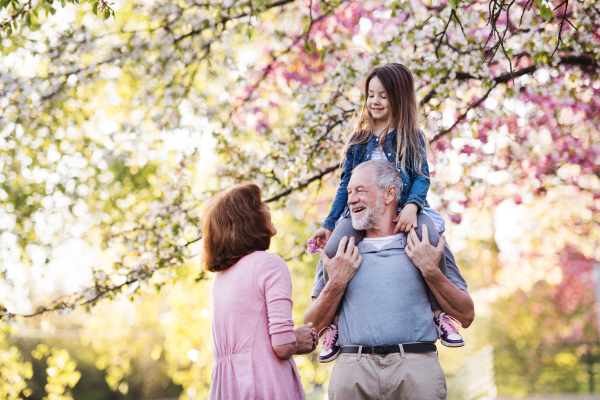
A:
(456, 218)
(312, 247)
(517, 199)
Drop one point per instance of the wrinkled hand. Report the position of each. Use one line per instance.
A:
(307, 339)
(343, 266)
(425, 256)
(407, 219)
(321, 237)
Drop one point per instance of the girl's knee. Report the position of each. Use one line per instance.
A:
(332, 246)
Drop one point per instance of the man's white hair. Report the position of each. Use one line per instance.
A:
(385, 175)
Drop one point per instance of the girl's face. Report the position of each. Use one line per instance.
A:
(377, 101)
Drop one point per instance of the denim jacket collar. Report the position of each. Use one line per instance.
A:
(389, 147)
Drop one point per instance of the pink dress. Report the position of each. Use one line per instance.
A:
(251, 311)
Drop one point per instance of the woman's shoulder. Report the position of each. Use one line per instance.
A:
(266, 255)
(270, 268)
(266, 258)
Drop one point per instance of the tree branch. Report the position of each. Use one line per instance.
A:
(16, 15)
(442, 133)
(561, 25)
(73, 300)
(232, 18)
(304, 184)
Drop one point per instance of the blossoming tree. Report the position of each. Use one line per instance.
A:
(509, 95)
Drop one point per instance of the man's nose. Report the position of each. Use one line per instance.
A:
(352, 198)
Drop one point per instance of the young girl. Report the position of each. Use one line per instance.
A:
(386, 129)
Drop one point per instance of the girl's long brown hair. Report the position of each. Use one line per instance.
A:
(397, 80)
(234, 224)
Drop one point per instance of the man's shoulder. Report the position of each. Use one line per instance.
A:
(423, 217)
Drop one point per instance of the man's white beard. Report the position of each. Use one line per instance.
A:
(367, 219)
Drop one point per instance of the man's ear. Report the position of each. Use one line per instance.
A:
(390, 194)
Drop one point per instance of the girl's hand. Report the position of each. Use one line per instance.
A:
(407, 219)
(321, 237)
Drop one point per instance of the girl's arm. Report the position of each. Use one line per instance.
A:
(420, 183)
(341, 198)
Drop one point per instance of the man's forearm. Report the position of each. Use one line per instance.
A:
(454, 301)
(322, 309)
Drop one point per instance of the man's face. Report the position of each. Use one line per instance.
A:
(364, 199)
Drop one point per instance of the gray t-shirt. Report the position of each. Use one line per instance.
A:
(386, 302)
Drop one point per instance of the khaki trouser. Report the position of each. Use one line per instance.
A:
(417, 376)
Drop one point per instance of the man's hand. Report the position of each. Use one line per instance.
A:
(425, 256)
(343, 266)
(341, 270)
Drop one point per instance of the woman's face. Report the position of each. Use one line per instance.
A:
(267, 210)
(377, 101)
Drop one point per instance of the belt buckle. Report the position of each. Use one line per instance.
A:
(378, 349)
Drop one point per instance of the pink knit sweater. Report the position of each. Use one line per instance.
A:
(251, 311)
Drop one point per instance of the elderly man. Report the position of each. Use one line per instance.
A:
(387, 331)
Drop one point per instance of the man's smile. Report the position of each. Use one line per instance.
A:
(358, 209)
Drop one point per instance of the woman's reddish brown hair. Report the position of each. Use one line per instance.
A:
(235, 223)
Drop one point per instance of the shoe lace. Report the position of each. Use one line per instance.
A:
(446, 323)
(330, 336)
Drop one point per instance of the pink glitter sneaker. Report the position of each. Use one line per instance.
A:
(331, 348)
(448, 331)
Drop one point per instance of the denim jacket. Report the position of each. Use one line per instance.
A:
(415, 186)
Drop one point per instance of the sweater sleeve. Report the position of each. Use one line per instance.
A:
(276, 284)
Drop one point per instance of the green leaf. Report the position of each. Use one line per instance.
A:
(95, 8)
(106, 13)
(28, 20)
(454, 4)
(545, 11)
(308, 47)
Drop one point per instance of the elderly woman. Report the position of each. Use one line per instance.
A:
(253, 336)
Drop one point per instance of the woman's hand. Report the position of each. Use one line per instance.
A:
(306, 342)
(407, 219)
(307, 339)
(321, 237)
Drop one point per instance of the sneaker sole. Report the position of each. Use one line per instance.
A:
(448, 344)
(330, 359)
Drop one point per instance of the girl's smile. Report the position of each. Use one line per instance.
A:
(377, 101)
